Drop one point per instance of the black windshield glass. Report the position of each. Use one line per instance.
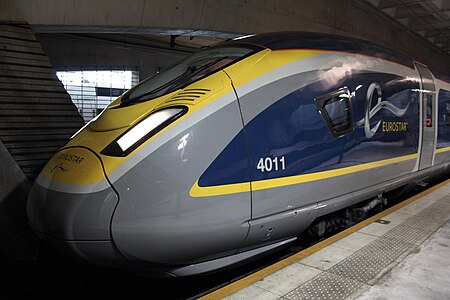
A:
(193, 68)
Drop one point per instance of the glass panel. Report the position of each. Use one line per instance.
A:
(336, 110)
(195, 67)
(339, 112)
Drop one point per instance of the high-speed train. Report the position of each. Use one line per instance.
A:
(236, 150)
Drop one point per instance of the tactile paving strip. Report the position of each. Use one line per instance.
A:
(445, 201)
(435, 212)
(446, 198)
(408, 234)
(422, 223)
(366, 263)
(325, 286)
(358, 267)
(444, 205)
(385, 248)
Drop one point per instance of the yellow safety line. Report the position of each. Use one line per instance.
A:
(255, 277)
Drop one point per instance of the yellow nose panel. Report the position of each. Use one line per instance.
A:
(74, 166)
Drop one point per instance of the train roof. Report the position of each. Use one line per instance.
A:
(322, 41)
(441, 76)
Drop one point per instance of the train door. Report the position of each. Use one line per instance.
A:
(428, 121)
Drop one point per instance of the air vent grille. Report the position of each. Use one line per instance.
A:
(189, 95)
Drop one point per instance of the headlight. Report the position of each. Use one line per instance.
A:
(142, 131)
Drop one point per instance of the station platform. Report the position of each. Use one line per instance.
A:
(400, 252)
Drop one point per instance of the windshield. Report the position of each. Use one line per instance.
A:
(193, 68)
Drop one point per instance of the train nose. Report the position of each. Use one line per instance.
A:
(72, 203)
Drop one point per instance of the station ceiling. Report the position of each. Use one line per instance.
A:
(428, 19)
(417, 28)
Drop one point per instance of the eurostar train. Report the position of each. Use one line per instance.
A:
(236, 150)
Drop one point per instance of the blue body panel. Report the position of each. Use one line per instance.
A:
(293, 127)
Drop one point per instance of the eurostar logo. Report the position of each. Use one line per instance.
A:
(371, 112)
(58, 167)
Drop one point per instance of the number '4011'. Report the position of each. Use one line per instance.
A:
(268, 164)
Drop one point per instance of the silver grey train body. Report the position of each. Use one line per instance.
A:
(235, 151)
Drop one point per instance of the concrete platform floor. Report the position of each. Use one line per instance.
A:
(401, 252)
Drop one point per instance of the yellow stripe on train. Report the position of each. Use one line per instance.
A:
(198, 191)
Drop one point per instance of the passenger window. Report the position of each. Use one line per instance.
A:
(447, 112)
(335, 108)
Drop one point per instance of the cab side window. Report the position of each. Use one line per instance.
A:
(335, 108)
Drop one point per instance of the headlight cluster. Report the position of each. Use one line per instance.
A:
(142, 131)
